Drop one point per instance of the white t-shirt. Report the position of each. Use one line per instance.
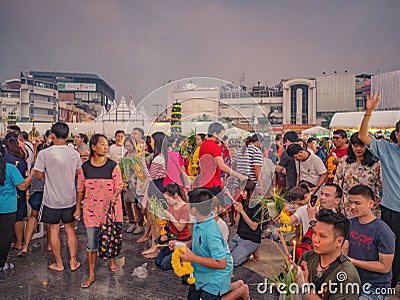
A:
(116, 152)
(29, 148)
(59, 163)
(310, 169)
(302, 217)
(224, 229)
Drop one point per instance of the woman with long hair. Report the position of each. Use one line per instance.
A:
(16, 156)
(99, 186)
(10, 180)
(178, 217)
(248, 237)
(359, 166)
(157, 172)
(194, 163)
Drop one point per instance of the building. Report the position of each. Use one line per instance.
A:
(38, 99)
(34, 99)
(10, 98)
(122, 113)
(388, 85)
(198, 102)
(363, 89)
(86, 91)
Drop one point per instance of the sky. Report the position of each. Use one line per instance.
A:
(137, 46)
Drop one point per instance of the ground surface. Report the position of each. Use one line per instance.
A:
(31, 278)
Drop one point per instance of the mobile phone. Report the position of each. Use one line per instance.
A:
(313, 200)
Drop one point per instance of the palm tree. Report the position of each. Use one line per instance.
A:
(203, 118)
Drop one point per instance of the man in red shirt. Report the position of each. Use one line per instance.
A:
(212, 163)
(341, 145)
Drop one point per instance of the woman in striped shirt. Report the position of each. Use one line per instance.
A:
(157, 173)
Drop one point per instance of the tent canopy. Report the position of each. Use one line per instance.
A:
(315, 130)
(379, 119)
(234, 131)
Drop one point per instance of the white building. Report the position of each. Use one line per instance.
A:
(10, 98)
(388, 85)
(197, 101)
(38, 100)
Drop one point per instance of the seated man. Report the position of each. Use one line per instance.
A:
(330, 198)
(370, 244)
(330, 274)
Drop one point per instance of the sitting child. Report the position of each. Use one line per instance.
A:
(248, 217)
(178, 218)
(210, 258)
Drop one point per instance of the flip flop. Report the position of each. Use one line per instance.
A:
(114, 269)
(22, 253)
(88, 284)
(78, 264)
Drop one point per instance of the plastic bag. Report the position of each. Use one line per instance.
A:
(141, 271)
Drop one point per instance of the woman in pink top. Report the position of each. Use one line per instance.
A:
(99, 186)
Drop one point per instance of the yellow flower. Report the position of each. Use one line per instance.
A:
(285, 219)
(182, 267)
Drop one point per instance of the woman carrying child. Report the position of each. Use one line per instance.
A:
(248, 216)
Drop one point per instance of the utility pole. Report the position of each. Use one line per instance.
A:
(157, 105)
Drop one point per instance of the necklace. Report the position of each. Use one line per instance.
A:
(319, 273)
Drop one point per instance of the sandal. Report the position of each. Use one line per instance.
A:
(149, 251)
(7, 266)
(87, 283)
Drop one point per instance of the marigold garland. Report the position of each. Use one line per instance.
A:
(182, 267)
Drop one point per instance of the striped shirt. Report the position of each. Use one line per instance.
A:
(255, 159)
(157, 168)
(242, 162)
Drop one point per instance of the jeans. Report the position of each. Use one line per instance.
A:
(241, 249)
(373, 296)
(92, 239)
(391, 218)
(6, 235)
(163, 259)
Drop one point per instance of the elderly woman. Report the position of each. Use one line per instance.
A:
(359, 166)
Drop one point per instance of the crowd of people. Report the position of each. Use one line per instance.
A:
(169, 190)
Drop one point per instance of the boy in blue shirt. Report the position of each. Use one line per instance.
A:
(210, 258)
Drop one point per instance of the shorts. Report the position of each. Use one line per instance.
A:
(200, 294)
(92, 239)
(54, 215)
(35, 200)
(21, 206)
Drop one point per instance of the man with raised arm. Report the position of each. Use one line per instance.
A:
(389, 155)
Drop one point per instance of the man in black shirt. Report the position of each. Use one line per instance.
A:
(286, 162)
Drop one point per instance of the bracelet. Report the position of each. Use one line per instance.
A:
(367, 114)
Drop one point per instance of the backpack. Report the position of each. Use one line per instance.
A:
(304, 245)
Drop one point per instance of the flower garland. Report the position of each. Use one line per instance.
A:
(182, 267)
(285, 220)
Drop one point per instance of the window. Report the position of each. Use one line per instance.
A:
(4, 109)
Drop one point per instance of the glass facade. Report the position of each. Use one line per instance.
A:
(294, 101)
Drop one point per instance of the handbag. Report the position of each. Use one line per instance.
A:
(110, 236)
